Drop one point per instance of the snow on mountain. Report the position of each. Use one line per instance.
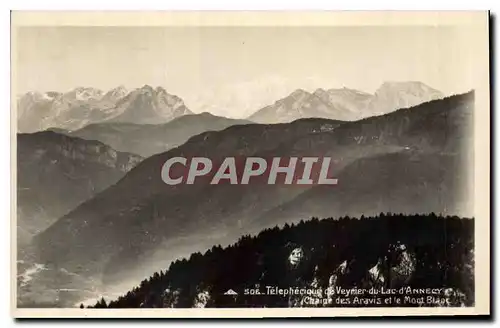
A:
(394, 95)
(346, 104)
(147, 105)
(353, 100)
(84, 94)
(299, 104)
(83, 105)
(115, 94)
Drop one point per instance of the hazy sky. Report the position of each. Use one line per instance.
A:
(237, 70)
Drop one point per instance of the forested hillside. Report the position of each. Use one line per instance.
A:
(417, 257)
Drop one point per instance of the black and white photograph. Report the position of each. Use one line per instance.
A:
(280, 162)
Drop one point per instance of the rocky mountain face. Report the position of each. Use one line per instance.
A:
(55, 173)
(115, 94)
(82, 106)
(352, 100)
(300, 104)
(150, 139)
(346, 104)
(149, 106)
(395, 95)
(418, 152)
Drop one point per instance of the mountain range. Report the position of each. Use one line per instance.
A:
(411, 160)
(80, 107)
(346, 104)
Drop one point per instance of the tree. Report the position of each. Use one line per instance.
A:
(442, 248)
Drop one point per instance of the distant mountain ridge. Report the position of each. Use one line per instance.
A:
(395, 95)
(150, 139)
(82, 106)
(346, 104)
(148, 105)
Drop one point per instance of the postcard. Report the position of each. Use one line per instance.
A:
(250, 164)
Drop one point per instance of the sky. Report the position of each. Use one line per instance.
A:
(234, 71)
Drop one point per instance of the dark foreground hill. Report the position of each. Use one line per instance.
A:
(425, 260)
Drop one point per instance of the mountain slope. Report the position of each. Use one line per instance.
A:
(346, 104)
(150, 139)
(149, 106)
(55, 173)
(141, 215)
(70, 110)
(353, 100)
(432, 168)
(32, 110)
(427, 251)
(393, 95)
(300, 104)
(397, 183)
(82, 106)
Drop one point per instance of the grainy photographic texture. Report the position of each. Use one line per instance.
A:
(300, 164)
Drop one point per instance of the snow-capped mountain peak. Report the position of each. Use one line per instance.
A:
(150, 105)
(346, 104)
(116, 93)
(84, 105)
(85, 93)
(394, 95)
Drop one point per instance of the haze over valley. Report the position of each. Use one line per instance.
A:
(99, 109)
(126, 225)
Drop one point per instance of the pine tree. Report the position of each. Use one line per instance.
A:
(441, 247)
